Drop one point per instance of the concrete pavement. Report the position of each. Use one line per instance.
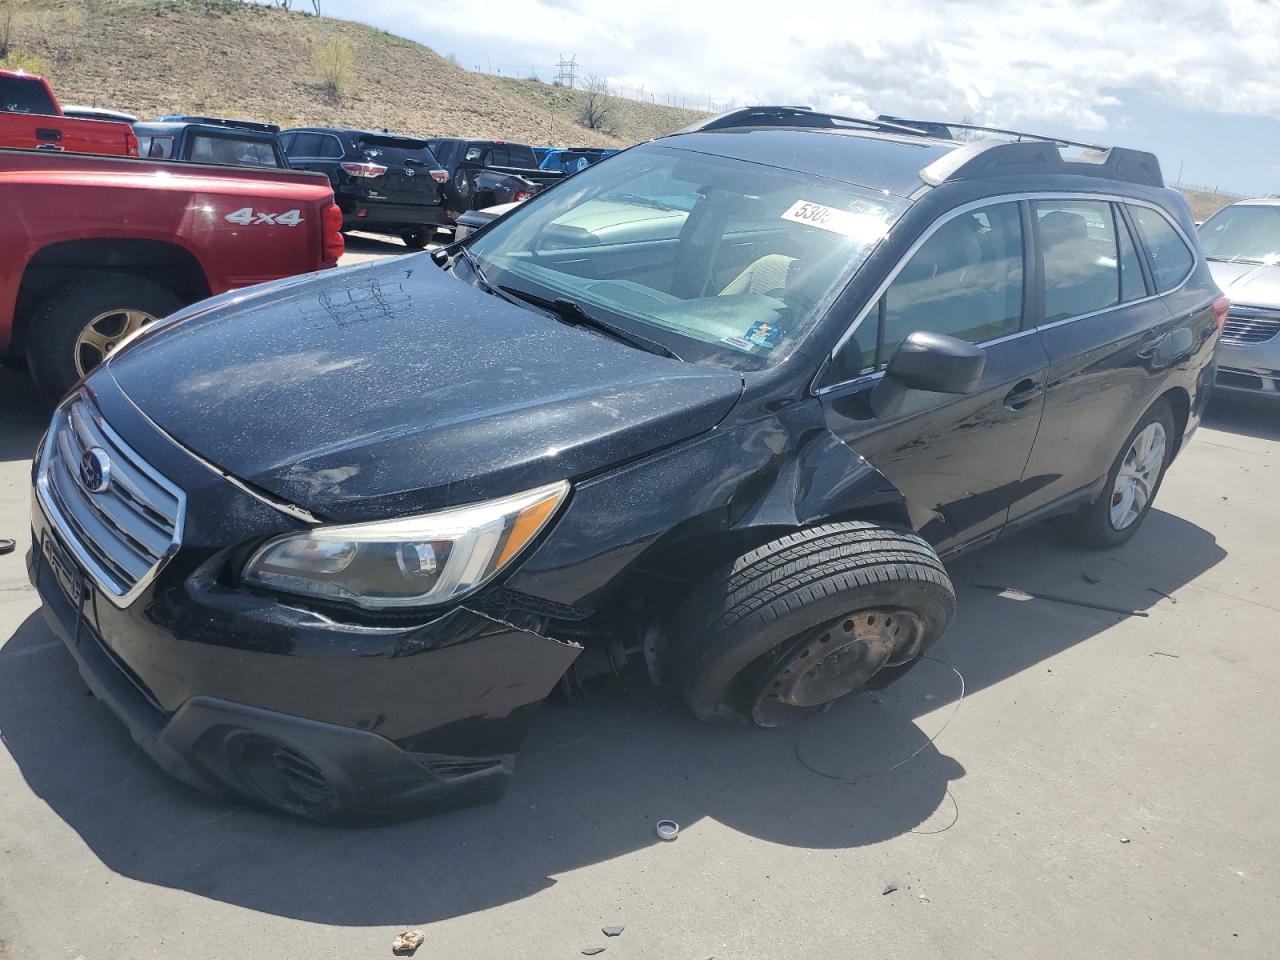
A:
(1104, 788)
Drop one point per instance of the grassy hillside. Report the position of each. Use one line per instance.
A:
(223, 57)
(1204, 205)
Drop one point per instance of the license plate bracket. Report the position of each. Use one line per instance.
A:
(64, 570)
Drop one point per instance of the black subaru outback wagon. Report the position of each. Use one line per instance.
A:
(719, 406)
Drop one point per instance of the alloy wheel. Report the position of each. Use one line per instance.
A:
(103, 334)
(1139, 473)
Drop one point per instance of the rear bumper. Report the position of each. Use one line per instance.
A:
(373, 214)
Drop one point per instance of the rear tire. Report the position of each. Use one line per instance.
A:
(808, 618)
(1104, 524)
(76, 328)
(417, 238)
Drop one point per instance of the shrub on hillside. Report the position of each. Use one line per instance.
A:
(598, 110)
(334, 62)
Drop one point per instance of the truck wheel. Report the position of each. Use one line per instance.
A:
(1131, 485)
(806, 619)
(76, 328)
(417, 238)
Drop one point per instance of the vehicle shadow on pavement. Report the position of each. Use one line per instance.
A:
(592, 780)
(24, 413)
(1258, 420)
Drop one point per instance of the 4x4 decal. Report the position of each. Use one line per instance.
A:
(247, 216)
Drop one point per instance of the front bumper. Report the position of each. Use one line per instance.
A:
(243, 694)
(1248, 371)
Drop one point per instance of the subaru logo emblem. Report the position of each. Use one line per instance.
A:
(95, 470)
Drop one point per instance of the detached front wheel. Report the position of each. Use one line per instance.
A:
(808, 618)
(78, 327)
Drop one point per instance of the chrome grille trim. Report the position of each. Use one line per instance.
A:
(1250, 325)
(123, 535)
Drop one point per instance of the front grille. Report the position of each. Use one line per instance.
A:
(1239, 379)
(123, 532)
(1248, 325)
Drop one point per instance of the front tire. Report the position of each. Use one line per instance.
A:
(77, 328)
(808, 618)
(1131, 485)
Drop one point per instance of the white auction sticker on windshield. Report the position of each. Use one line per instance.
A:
(859, 226)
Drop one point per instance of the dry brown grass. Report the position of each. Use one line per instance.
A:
(155, 57)
(1204, 205)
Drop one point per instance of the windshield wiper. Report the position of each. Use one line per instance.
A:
(640, 201)
(572, 313)
(501, 293)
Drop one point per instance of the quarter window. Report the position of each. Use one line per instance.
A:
(1170, 259)
(1081, 270)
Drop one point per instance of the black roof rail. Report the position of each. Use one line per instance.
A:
(996, 158)
(979, 128)
(789, 116)
(221, 122)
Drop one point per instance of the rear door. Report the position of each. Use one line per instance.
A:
(409, 162)
(1105, 327)
(958, 461)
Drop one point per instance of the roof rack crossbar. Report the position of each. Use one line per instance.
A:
(789, 116)
(1018, 135)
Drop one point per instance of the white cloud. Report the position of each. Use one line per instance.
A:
(1051, 61)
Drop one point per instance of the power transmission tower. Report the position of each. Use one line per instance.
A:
(567, 74)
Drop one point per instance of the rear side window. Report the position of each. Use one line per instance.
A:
(155, 148)
(1171, 259)
(444, 150)
(330, 147)
(231, 151)
(520, 156)
(1078, 243)
(25, 95)
(304, 145)
(498, 157)
(964, 281)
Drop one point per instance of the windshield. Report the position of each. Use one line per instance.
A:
(737, 256)
(1247, 233)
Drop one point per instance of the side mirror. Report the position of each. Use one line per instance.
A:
(928, 361)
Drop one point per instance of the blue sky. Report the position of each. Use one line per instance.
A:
(1196, 81)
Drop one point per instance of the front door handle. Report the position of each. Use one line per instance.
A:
(1024, 393)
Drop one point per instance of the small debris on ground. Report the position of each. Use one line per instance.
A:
(406, 942)
(612, 931)
(1124, 839)
(667, 829)
(1090, 578)
(922, 898)
(1161, 653)
(888, 888)
(591, 951)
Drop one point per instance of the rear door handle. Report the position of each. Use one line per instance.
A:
(1024, 393)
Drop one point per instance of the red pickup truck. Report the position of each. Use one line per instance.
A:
(30, 118)
(95, 247)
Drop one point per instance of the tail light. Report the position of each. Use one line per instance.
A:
(522, 195)
(130, 143)
(334, 244)
(440, 176)
(1220, 307)
(369, 171)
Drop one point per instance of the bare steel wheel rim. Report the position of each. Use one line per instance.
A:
(1139, 472)
(833, 659)
(103, 334)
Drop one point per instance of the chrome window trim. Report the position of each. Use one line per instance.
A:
(68, 539)
(990, 202)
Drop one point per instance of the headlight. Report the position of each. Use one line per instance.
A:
(410, 562)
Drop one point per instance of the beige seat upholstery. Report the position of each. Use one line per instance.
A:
(767, 273)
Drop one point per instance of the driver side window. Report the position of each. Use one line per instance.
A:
(964, 281)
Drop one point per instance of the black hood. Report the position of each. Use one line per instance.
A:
(393, 388)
